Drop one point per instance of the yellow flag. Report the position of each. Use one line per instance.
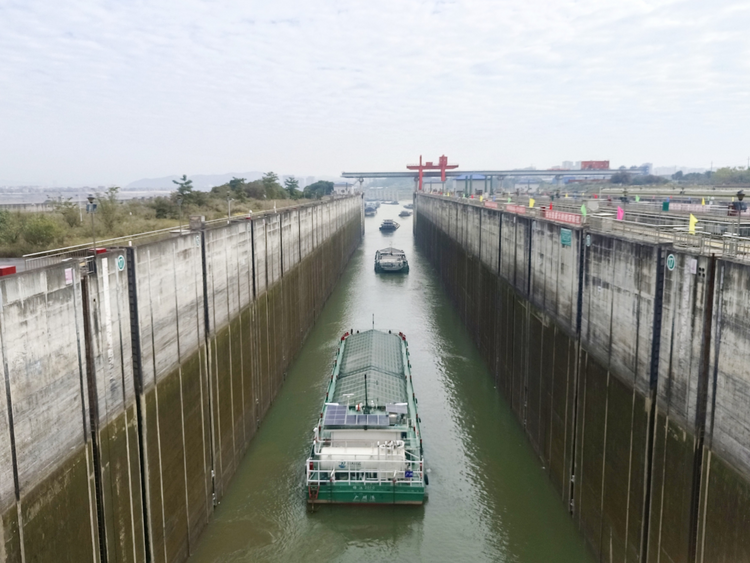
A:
(703, 201)
(693, 221)
(481, 198)
(566, 195)
(531, 202)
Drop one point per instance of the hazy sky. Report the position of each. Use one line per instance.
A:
(111, 91)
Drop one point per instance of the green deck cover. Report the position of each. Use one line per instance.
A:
(378, 355)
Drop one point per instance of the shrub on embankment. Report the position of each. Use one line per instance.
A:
(27, 232)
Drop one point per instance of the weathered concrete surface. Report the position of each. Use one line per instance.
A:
(129, 395)
(629, 378)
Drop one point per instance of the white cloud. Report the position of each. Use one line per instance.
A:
(112, 91)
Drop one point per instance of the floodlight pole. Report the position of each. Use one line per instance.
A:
(91, 210)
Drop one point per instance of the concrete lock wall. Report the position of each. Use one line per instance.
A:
(626, 368)
(130, 393)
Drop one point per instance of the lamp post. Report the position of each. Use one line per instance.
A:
(90, 209)
(740, 197)
(229, 208)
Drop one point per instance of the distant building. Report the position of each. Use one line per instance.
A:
(568, 165)
(648, 168)
(595, 165)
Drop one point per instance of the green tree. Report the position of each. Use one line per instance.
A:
(729, 175)
(109, 208)
(236, 184)
(69, 211)
(164, 207)
(187, 193)
(40, 230)
(291, 185)
(620, 177)
(254, 189)
(318, 190)
(272, 187)
(11, 226)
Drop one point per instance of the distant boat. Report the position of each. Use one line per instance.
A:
(389, 225)
(391, 260)
(409, 206)
(370, 210)
(405, 213)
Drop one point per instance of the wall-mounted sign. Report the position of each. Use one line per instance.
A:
(671, 262)
(516, 209)
(120, 262)
(566, 237)
(588, 240)
(563, 216)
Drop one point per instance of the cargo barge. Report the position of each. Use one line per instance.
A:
(367, 444)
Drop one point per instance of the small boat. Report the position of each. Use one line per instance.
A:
(391, 260)
(367, 443)
(370, 210)
(389, 225)
(409, 206)
(393, 202)
(405, 213)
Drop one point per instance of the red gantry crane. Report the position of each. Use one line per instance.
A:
(442, 165)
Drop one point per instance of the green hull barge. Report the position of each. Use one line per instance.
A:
(367, 444)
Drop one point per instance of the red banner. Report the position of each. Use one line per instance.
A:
(572, 218)
(491, 204)
(520, 209)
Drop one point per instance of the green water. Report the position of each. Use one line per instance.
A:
(489, 497)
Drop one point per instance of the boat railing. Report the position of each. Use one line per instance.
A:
(410, 445)
(396, 472)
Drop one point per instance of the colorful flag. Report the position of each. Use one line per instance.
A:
(531, 202)
(637, 198)
(703, 201)
(583, 210)
(620, 213)
(481, 198)
(693, 221)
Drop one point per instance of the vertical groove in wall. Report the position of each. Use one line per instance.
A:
(93, 414)
(653, 386)
(701, 406)
(207, 338)
(137, 366)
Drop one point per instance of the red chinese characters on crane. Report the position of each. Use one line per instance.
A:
(442, 165)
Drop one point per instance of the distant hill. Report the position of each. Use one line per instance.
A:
(200, 181)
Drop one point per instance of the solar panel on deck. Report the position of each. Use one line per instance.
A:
(334, 415)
